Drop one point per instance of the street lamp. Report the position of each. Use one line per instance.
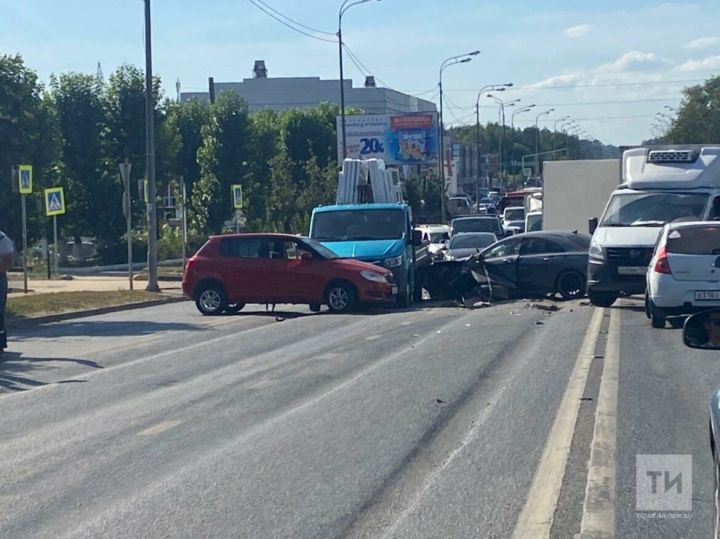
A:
(453, 60)
(519, 111)
(152, 254)
(554, 134)
(501, 120)
(537, 140)
(483, 90)
(347, 4)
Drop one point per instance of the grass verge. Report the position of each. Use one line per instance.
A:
(35, 305)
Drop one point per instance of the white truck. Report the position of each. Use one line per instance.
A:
(575, 191)
(660, 184)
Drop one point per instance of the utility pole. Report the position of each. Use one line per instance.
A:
(152, 285)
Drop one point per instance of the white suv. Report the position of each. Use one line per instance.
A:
(684, 274)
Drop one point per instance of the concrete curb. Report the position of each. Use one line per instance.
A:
(22, 323)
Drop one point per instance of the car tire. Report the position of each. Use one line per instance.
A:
(211, 300)
(341, 298)
(647, 306)
(657, 320)
(315, 307)
(234, 308)
(602, 299)
(571, 285)
(676, 322)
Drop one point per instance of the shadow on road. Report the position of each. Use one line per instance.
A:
(17, 372)
(102, 328)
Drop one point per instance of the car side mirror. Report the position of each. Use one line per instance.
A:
(592, 225)
(417, 239)
(703, 330)
(306, 255)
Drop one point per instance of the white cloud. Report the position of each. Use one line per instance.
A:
(703, 43)
(706, 64)
(636, 61)
(575, 32)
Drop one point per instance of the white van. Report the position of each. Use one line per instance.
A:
(660, 185)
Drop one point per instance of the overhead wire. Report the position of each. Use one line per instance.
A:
(288, 25)
(293, 21)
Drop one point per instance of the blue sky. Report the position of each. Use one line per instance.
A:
(609, 64)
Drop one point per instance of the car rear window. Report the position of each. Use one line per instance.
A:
(242, 248)
(476, 225)
(703, 240)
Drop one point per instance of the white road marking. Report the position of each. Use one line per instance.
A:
(599, 508)
(536, 518)
(373, 337)
(160, 427)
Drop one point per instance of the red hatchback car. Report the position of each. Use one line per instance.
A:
(231, 271)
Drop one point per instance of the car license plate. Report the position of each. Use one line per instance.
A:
(394, 290)
(632, 270)
(707, 295)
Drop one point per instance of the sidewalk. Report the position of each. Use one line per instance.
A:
(97, 283)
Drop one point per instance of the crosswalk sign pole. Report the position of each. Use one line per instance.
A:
(25, 242)
(55, 249)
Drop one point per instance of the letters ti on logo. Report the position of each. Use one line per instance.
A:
(663, 483)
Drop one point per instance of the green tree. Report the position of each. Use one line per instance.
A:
(698, 119)
(223, 159)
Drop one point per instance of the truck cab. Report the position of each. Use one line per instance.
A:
(382, 234)
(660, 185)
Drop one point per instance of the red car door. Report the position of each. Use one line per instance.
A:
(241, 266)
(294, 278)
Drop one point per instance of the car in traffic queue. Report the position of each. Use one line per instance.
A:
(514, 217)
(533, 264)
(462, 246)
(683, 276)
(436, 237)
(231, 271)
(480, 223)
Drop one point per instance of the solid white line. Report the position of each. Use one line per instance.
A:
(599, 508)
(160, 427)
(536, 518)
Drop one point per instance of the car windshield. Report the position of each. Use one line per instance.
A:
(653, 209)
(514, 214)
(437, 237)
(476, 225)
(471, 241)
(358, 225)
(701, 240)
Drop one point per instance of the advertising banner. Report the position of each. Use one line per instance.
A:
(397, 139)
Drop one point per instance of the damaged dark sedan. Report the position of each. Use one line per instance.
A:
(535, 264)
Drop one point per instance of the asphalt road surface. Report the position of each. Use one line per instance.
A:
(431, 422)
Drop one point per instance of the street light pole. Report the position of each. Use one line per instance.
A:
(343, 8)
(502, 104)
(488, 88)
(519, 111)
(554, 133)
(537, 140)
(152, 285)
(453, 60)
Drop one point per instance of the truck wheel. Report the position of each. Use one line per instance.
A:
(341, 298)
(418, 290)
(602, 299)
(405, 299)
(211, 300)
(657, 319)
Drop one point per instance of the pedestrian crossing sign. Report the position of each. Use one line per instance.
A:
(237, 196)
(25, 179)
(54, 201)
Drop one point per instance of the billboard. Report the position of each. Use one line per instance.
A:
(397, 139)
